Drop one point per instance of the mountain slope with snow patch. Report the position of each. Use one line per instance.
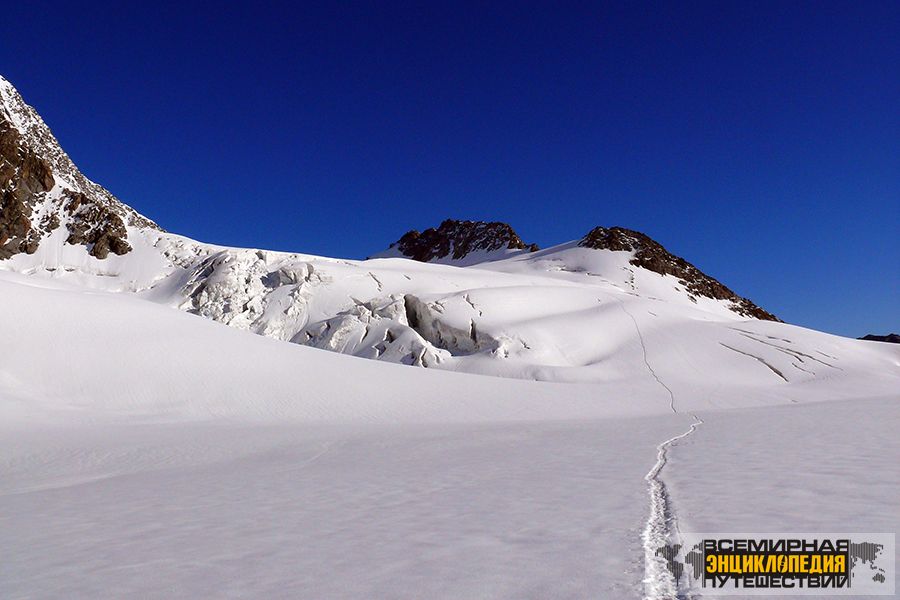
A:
(150, 451)
(585, 311)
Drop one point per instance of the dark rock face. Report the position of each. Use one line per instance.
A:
(893, 338)
(15, 226)
(95, 226)
(458, 239)
(17, 161)
(23, 175)
(650, 255)
(31, 165)
(26, 178)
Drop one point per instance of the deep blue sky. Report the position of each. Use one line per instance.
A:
(761, 141)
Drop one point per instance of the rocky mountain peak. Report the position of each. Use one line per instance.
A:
(651, 255)
(42, 190)
(457, 239)
(893, 338)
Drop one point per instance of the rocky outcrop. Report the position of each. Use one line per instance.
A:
(893, 338)
(650, 255)
(96, 226)
(458, 239)
(25, 178)
(41, 189)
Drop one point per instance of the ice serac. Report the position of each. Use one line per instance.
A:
(650, 255)
(42, 190)
(460, 242)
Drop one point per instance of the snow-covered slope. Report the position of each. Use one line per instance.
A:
(594, 310)
(149, 451)
(565, 314)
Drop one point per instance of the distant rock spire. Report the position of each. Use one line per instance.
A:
(456, 240)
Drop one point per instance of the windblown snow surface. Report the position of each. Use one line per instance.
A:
(151, 453)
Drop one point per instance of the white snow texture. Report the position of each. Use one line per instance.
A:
(574, 411)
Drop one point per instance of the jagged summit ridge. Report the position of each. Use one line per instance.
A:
(893, 338)
(651, 255)
(465, 243)
(42, 190)
(455, 240)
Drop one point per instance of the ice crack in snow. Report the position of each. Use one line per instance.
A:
(377, 281)
(646, 362)
(763, 361)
